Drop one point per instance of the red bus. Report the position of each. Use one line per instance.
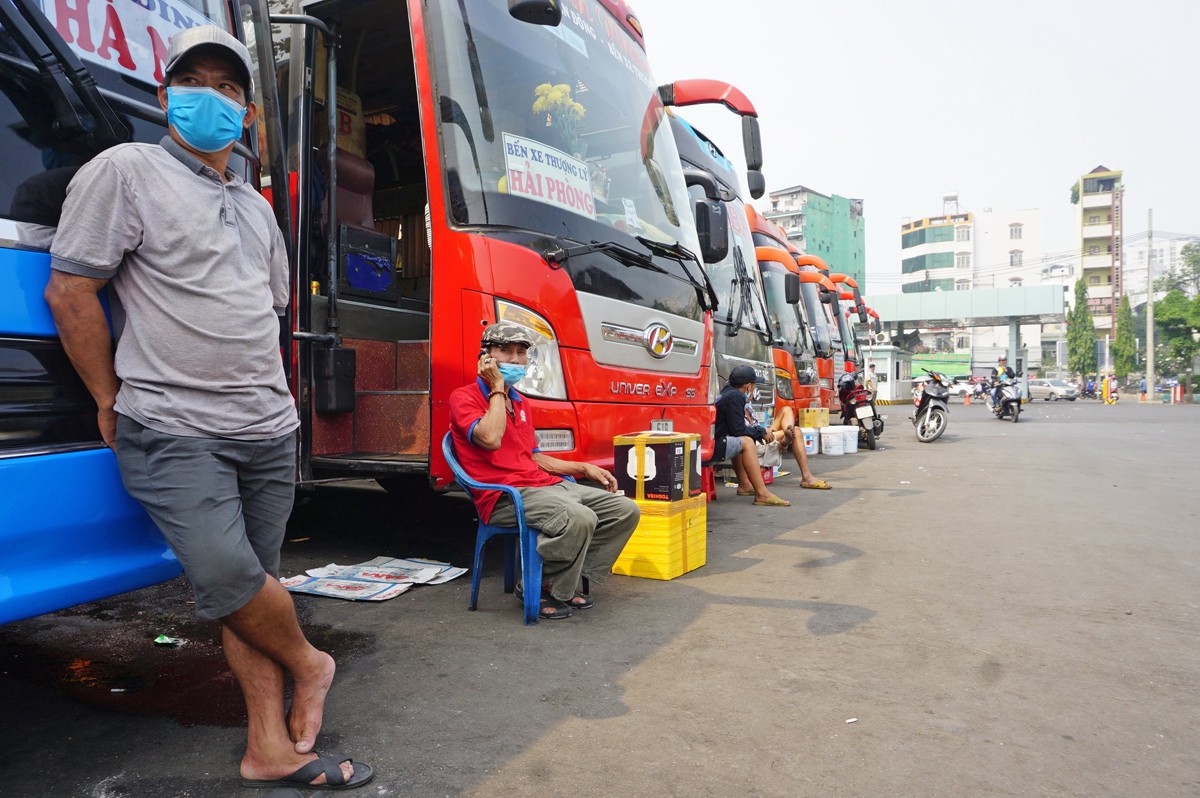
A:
(807, 331)
(493, 159)
(851, 306)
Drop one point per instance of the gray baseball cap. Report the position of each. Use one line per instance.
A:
(208, 37)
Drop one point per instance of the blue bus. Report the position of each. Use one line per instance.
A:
(75, 79)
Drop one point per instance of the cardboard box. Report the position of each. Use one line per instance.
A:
(658, 466)
(815, 417)
(671, 539)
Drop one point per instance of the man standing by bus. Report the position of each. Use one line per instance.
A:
(194, 400)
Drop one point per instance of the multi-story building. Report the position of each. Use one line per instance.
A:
(936, 252)
(829, 226)
(1098, 196)
(960, 251)
(1147, 261)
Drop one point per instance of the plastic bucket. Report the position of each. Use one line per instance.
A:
(832, 441)
(849, 438)
(812, 442)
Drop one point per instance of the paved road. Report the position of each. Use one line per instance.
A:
(1010, 611)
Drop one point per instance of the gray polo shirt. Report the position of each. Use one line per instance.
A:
(199, 267)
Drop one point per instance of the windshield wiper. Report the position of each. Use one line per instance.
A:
(743, 287)
(630, 257)
(62, 74)
(683, 255)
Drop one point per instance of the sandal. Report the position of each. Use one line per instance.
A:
(581, 601)
(774, 501)
(745, 492)
(330, 765)
(820, 484)
(557, 609)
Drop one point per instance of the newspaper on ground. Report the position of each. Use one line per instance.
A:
(352, 589)
(377, 579)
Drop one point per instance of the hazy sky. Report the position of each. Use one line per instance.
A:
(1005, 103)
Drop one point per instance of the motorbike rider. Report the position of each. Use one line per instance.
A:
(1000, 375)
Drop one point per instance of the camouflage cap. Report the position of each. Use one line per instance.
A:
(505, 332)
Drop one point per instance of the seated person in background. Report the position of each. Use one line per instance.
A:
(735, 438)
(783, 430)
(581, 529)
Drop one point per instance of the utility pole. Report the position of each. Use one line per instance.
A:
(1151, 379)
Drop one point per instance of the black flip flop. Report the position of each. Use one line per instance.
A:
(330, 765)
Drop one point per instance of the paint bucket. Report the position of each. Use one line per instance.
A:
(832, 441)
(812, 442)
(850, 438)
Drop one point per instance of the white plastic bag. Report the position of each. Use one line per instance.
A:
(769, 454)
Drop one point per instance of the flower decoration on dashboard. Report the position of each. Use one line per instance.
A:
(563, 114)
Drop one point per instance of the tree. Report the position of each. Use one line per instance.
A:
(1075, 193)
(1124, 347)
(1186, 278)
(1177, 320)
(1081, 334)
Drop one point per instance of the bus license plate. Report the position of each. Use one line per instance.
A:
(662, 425)
(864, 411)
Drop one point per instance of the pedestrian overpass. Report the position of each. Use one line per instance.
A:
(982, 307)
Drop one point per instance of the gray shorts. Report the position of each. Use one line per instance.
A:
(733, 446)
(222, 506)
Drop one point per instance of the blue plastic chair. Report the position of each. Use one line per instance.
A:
(517, 538)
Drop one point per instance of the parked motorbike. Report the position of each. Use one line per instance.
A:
(1009, 405)
(932, 414)
(858, 409)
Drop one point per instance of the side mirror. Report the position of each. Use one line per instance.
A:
(752, 141)
(536, 12)
(791, 288)
(712, 227)
(756, 183)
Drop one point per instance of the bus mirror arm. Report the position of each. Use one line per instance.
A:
(63, 75)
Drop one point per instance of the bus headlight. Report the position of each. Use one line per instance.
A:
(544, 377)
(783, 384)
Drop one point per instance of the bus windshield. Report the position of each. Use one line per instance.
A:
(554, 129)
(786, 326)
(847, 334)
(822, 335)
(739, 297)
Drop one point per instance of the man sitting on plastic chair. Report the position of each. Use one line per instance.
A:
(582, 530)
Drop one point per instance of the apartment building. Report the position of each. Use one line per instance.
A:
(826, 225)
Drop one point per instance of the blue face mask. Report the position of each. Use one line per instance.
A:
(205, 119)
(512, 373)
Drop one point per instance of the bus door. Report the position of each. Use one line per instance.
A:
(486, 165)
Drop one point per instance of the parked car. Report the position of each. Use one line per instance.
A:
(1052, 390)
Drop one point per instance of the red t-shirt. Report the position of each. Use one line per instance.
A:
(511, 464)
